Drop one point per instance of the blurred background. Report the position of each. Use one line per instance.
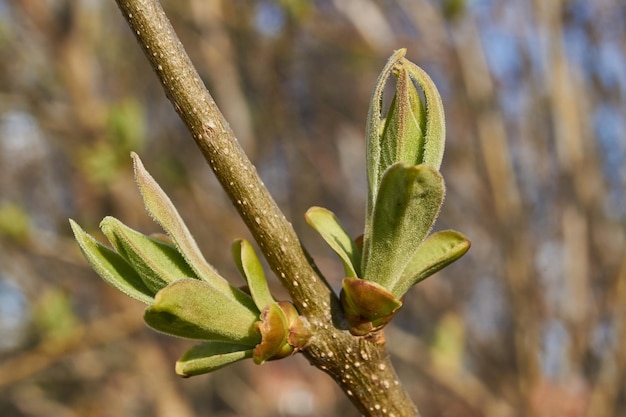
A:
(531, 322)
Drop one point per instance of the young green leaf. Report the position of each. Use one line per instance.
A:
(373, 132)
(157, 263)
(438, 251)
(252, 270)
(435, 134)
(327, 225)
(111, 266)
(403, 135)
(210, 356)
(163, 211)
(406, 208)
(192, 309)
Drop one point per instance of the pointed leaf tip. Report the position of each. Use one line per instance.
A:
(326, 224)
(373, 128)
(209, 357)
(403, 136)
(111, 267)
(156, 262)
(251, 269)
(163, 211)
(435, 125)
(438, 251)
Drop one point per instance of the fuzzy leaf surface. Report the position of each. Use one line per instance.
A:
(435, 133)
(163, 212)
(250, 267)
(406, 208)
(373, 133)
(403, 135)
(438, 251)
(157, 263)
(413, 131)
(326, 224)
(193, 309)
(210, 356)
(111, 267)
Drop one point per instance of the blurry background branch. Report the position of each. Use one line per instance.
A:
(534, 165)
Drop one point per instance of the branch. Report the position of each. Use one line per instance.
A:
(359, 365)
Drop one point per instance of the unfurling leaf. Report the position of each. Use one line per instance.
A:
(374, 130)
(163, 211)
(210, 356)
(156, 262)
(413, 131)
(193, 309)
(435, 124)
(251, 268)
(403, 134)
(327, 225)
(406, 208)
(437, 252)
(111, 267)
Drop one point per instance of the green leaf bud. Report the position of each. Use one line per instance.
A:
(367, 306)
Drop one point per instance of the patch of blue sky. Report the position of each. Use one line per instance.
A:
(481, 8)
(269, 19)
(611, 66)
(501, 40)
(555, 346)
(535, 44)
(14, 315)
(581, 11)
(604, 57)
(550, 268)
(604, 337)
(609, 126)
(21, 140)
(577, 47)
(503, 54)
(485, 309)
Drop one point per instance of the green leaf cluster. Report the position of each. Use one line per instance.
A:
(405, 193)
(186, 297)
